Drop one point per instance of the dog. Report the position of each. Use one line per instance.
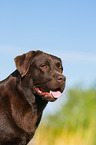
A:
(25, 93)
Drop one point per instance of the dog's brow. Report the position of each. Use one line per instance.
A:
(45, 62)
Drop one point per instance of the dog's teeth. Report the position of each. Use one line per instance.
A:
(50, 92)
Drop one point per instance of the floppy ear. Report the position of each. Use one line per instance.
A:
(22, 62)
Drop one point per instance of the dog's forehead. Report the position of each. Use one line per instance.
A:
(43, 57)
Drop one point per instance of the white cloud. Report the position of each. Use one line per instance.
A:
(12, 50)
(78, 57)
(68, 56)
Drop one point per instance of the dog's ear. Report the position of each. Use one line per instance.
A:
(22, 62)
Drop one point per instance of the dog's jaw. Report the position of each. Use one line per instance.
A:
(49, 96)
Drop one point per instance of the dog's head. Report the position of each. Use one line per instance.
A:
(45, 71)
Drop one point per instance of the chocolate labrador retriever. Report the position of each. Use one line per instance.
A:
(25, 93)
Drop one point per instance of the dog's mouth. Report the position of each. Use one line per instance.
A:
(49, 96)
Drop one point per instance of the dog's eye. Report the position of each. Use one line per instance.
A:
(61, 69)
(44, 67)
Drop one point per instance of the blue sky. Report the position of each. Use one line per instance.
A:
(63, 28)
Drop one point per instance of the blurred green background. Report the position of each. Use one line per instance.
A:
(73, 124)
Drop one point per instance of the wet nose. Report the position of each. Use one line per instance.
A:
(61, 78)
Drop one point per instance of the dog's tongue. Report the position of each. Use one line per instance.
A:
(56, 94)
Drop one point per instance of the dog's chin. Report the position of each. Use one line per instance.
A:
(48, 96)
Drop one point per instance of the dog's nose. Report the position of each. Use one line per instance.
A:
(61, 78)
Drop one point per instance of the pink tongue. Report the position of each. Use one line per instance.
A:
(56, 94)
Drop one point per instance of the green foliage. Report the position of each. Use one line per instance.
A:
(74, 124)
(78, 112)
